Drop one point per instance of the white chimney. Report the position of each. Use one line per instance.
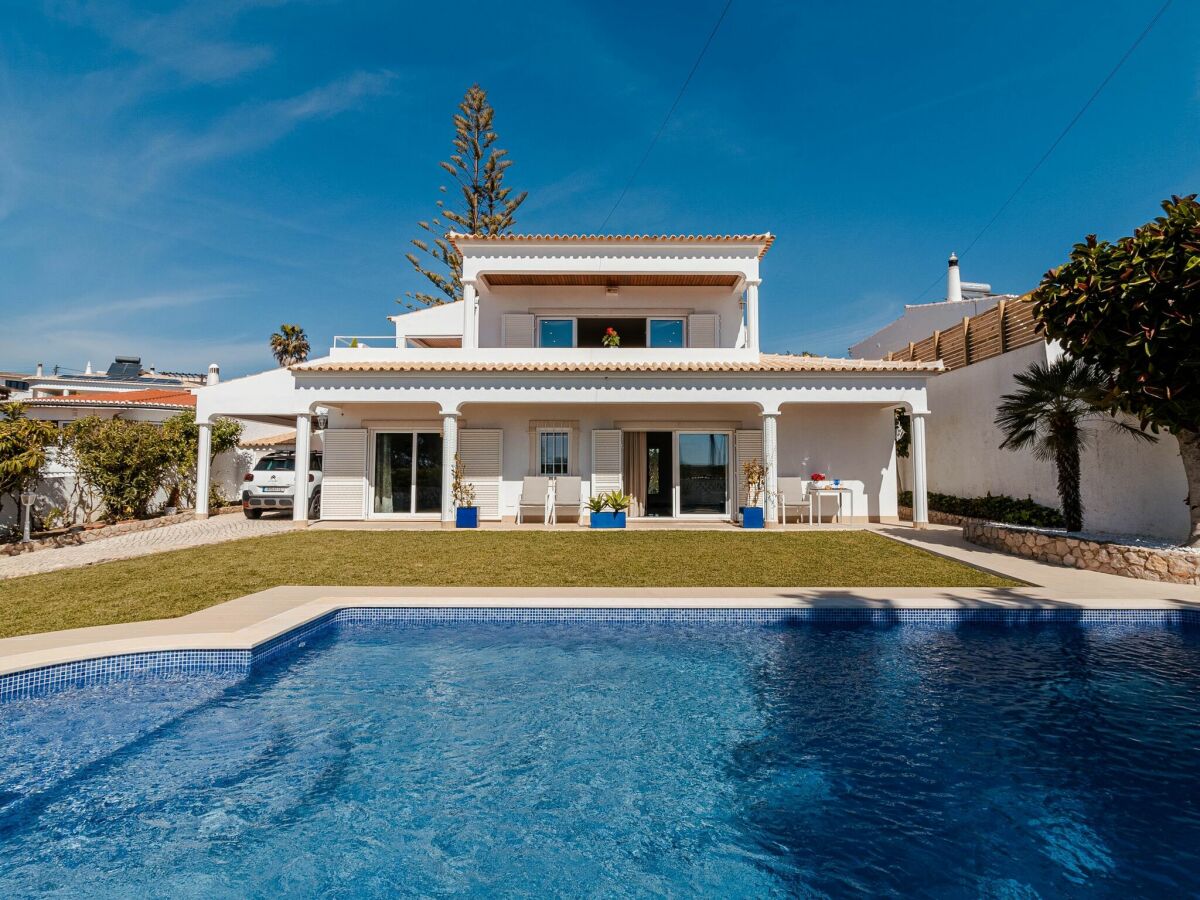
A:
(88, 370)
(39, 370)
(953, 281)
(214, 374)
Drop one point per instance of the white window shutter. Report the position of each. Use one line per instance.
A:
(704, 330)
(516, 330)
(749, 446)
(606, 460)
(344, 474)
(479, 451)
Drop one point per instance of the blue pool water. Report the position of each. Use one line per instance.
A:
(635, 760)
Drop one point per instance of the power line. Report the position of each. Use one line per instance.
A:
(670, 112)
(1058, 140)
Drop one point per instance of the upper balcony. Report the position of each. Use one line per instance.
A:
(568, 295)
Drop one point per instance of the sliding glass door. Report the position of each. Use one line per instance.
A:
(703, 473)
(407, 473)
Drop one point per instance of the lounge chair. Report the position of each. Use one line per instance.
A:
(567, 496)
(535, 494)
(793, 492)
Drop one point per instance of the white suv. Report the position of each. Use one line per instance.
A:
(272, 485)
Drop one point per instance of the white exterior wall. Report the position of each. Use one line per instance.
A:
(919, 322)
(434, 321)
(964, 458)
(629, 302)
(853, 443)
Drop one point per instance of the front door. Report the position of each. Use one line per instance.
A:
(659, 475)
(407, 473)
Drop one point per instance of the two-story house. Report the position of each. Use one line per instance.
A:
(517, 379)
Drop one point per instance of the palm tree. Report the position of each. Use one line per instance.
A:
(1051, 414)
(290, 345)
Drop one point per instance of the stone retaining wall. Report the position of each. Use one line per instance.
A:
(87, 535)
(938, 518)
(1112, 558)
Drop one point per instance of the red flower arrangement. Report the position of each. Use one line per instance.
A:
(818, 476)
(611, 338)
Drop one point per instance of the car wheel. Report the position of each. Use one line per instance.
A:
(252, 513)
(314, 505)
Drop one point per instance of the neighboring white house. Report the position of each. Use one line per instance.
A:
(516, 381)
(125, 391)
(1128, 486)
(963, 299)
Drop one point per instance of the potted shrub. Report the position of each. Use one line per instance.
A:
(608, 510)
(466, 513)
(755, 474)
(611, 338)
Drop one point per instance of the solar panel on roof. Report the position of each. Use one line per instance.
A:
(125, 367)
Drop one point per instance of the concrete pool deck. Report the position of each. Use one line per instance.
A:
(246, 622)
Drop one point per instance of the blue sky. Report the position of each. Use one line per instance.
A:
(175, 181)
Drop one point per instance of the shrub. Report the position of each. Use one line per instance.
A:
(124, 462)
(993, 508)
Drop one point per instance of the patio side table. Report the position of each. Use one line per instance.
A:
(815, 507)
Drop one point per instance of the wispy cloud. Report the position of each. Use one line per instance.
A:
(180, 40)
(257, 125)
(78, 311)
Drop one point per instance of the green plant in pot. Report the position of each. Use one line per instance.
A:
(608, 510)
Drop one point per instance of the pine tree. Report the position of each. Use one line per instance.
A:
(488, 207)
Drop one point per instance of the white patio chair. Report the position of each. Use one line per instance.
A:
(567, 496)
(793, 492)
(535, 494)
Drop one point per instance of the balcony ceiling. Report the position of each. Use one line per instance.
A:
(611, 279)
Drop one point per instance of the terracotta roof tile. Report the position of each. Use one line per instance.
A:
(766, 239)
(767, 362)
(147, 398)
(282, 439)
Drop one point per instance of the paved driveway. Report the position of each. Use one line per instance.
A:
(142, 543)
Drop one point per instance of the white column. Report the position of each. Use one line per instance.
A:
(770, 442)
(920, 489)
(752, 313)
(203, 469)
(470, 337)
(300, 500)
(449, 451)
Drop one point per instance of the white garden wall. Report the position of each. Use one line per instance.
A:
(1129, 487)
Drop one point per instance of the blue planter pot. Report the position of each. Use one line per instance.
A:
(608, 519)
(752, 517)
(466, 517)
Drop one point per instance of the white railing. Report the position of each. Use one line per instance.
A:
(369, 340)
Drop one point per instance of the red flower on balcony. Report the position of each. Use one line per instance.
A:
(611, 338)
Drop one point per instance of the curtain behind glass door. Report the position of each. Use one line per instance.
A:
(429, 473)
(393, 472)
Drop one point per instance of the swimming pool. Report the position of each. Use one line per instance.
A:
(731, 758)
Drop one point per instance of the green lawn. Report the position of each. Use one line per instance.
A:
(183, 581)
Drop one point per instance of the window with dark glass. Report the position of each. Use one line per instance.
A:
(552, 452)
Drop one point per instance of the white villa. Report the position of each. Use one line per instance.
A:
(516, 380)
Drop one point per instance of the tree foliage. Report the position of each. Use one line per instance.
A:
(124, 462)
(182, 438)
(1131, 308)
(23, 446)
(483, 206)
(289, 345)
(1051, 414)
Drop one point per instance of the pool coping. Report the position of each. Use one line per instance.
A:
(248, 623)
